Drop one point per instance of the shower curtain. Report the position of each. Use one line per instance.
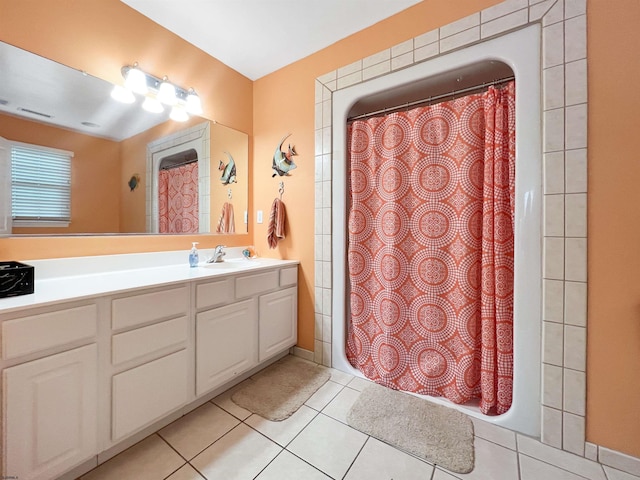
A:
(178, 199)
(430, 253)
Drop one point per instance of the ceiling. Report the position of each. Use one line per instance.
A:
(257, 37)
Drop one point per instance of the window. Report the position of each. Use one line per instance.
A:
(40, 185)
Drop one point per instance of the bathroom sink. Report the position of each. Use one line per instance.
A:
(232, 264)
(222, 265)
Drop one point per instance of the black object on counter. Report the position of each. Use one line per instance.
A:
(16, 279)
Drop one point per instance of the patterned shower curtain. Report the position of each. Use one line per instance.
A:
(430, 254)
(178, 199)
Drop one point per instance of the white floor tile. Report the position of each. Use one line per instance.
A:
(224, 401)
(442, 475)
(359, 383)
(197, 430)
(340, 377)
(532, 469)
(492, 462)
(339, 407)
(287, 466)
(324, 395)
(494, 433)
(613, 474)
(379, 461)
(240, 454)
(187, 472)
(568, 461)
(328, 445)
(286, 430)
(149, 459)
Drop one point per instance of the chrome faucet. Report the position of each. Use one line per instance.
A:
(218, 253)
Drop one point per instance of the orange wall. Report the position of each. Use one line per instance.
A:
(95, 175)
(613, 344)
(99, 37)
(283, 102)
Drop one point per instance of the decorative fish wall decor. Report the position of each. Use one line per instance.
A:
(228, 170)
(134, 181)
(283, 161)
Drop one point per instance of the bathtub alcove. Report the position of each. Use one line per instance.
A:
(514, 54)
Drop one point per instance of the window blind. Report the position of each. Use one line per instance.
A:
(40, 185)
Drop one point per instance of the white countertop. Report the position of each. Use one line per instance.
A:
(109, 274)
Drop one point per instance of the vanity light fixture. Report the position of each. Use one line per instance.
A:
(167, 93)
(194, 105)
(179, 114)
(152, 105)
(135, 79)
(157, 91)
(122, 94)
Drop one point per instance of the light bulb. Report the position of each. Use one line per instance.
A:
(194, 105)
(122, 94)
(152, 105)
(178, 114)
(167, 93)
(136, 81)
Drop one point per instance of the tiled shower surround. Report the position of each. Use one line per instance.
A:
(564, 146)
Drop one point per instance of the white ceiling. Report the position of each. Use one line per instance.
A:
(257, 37)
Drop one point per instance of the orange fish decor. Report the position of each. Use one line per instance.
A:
(283, 161)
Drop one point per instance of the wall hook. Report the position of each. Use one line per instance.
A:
(229, 195)
(281, 189)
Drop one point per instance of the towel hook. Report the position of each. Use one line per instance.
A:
(281, 189)
(229, 194)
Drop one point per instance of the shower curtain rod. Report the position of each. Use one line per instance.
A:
(176, 165)
(434, 98)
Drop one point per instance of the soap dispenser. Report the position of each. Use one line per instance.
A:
(193, 255)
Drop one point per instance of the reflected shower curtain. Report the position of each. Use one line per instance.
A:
(430, 252)
(178, 199)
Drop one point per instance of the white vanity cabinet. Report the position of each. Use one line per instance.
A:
(226, 343)
(82, 379)
(49, 384)
(149, 356)
(278, 322)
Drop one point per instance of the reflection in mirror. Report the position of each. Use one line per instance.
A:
(48, 104)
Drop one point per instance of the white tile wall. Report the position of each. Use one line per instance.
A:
(565, 174)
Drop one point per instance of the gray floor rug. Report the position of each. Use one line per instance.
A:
(276, 392)
(436, 433)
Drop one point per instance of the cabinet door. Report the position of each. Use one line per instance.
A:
(51, 414)
(5, 187)
(147, 393)
(278, 324)
(226, 343)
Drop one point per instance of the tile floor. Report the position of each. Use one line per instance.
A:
(220, 440)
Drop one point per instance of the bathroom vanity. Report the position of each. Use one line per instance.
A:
(93, 362)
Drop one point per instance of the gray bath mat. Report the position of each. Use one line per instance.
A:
(276, 392)
(436, 433)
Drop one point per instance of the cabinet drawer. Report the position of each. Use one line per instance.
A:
(147, 393)
(147, 307)
(39, 332)
(143, 341)
(250, 285)
(213, 294)
(288, 277)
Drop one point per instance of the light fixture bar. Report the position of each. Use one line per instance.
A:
(153, 84)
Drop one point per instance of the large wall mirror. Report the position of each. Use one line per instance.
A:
(122, 154)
